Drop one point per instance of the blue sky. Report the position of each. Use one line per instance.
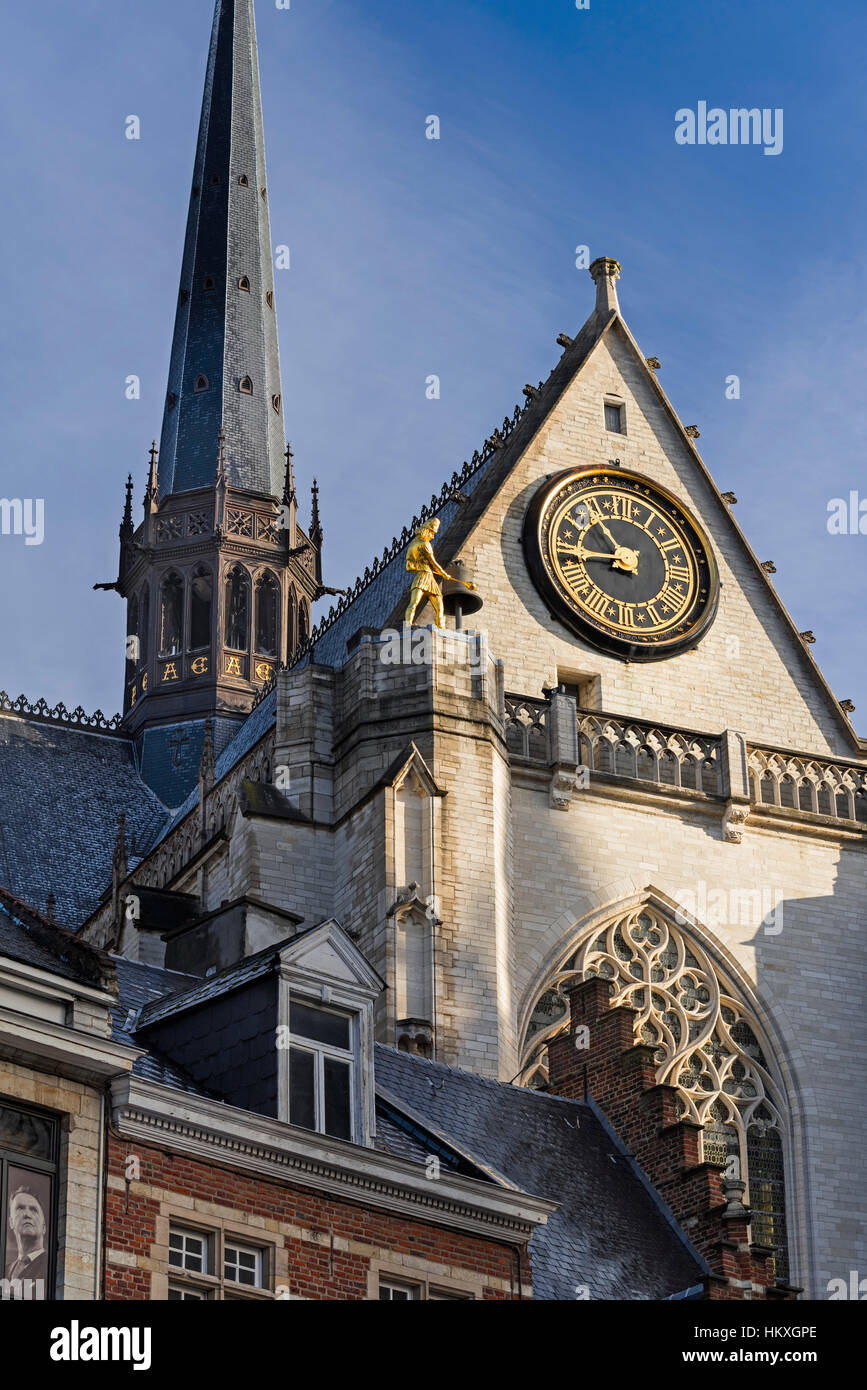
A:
(412, 257)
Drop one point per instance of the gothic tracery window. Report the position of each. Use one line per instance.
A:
(237, 609)
(291, 624)
(171, 614)
(201, 599)
(267, 614)
(706, 1043)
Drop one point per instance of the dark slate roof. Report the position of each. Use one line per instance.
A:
(218, 331)
(169, 755)
(192, 990)
(138, 984)
(62, 790)
(17, 943)
(611, 1232)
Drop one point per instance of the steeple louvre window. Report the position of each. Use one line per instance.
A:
(291, 625)
(202, 384)
(303, 623)
(171, 614)
(267, 615)
(171, 401)
(269, 299)
(237, 609)
(244, 181)
(144, 624)
(245, 386)
(215, 180)
(244, 283)
(209, 283)
(201, 604)
(277, 401)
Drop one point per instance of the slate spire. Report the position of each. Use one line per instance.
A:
(225, 366)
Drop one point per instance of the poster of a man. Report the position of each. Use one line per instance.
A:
(27, 1244)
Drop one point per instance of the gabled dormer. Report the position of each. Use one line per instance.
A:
(287, 1033)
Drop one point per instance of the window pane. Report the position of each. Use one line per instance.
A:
(613, 418)
(306, 1021)
(187, 1250)
(390, 1292)
(187, 1296)
(26, 1134)
(302, 1105)
(242, 1266)
(338, 1120)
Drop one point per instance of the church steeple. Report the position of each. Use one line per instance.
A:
(219, 587)
(225, 365)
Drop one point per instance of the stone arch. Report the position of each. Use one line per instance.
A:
(714, 1039)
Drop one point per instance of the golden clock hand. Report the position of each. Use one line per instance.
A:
(615, 543)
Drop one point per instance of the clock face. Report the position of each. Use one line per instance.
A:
(622, 562)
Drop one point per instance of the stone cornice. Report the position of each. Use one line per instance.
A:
(263, 1147)
(65, 1051)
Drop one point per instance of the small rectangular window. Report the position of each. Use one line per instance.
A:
(395, 1291)
(302, 1088)
(614, 418)
(242, 1265)
(177, 1295)
(188, 1250)
(319, 1025)
(338, 1114)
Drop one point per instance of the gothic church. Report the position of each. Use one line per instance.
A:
(369, 910)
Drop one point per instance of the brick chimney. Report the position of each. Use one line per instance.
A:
(600, 1057)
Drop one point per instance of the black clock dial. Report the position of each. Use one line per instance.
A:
(622, 562)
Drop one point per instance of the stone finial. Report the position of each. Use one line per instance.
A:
(848, 706)
(653, 363)
(152, 491)
(693, 431)
(808, 637)
(769, 567)
(730, 498)
(606, 272)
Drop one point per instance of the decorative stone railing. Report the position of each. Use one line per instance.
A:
(557, 735)
(526, 728)
(650, 752)
(797, 782)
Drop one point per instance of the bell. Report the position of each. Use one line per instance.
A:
(458, 600)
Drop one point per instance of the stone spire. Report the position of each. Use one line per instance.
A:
(225, 366)
(606, 273)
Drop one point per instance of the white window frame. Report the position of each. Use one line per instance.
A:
(229, 1243)
(213, 1284)
(191, 1232)
(616, 404)
(320, 1051)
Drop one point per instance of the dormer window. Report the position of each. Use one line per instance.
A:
(321, 1069)
(244, 181)
(244, 283)
(201, 383)
(245, 386)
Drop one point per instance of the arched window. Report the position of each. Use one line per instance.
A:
(201, 602)
(267, 615)
(291, 625)
(244, 283)
(171, 614)
(237, 609)
(201, 383)
(706, 1044)
(144, 623)
(303, 623)
(133, 643)
(245, 386)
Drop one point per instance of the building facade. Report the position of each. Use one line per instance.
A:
(616, 804)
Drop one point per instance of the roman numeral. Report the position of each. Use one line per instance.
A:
(674, 544)
(679, 574)
(598, 603)
(626, 616)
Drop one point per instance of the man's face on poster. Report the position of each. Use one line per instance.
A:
(27, 1220)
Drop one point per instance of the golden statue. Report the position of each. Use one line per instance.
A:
(421, 563)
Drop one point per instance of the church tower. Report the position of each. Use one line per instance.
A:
(219, 577)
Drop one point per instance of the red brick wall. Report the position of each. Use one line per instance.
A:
(316, 1269)
(619, 1074)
